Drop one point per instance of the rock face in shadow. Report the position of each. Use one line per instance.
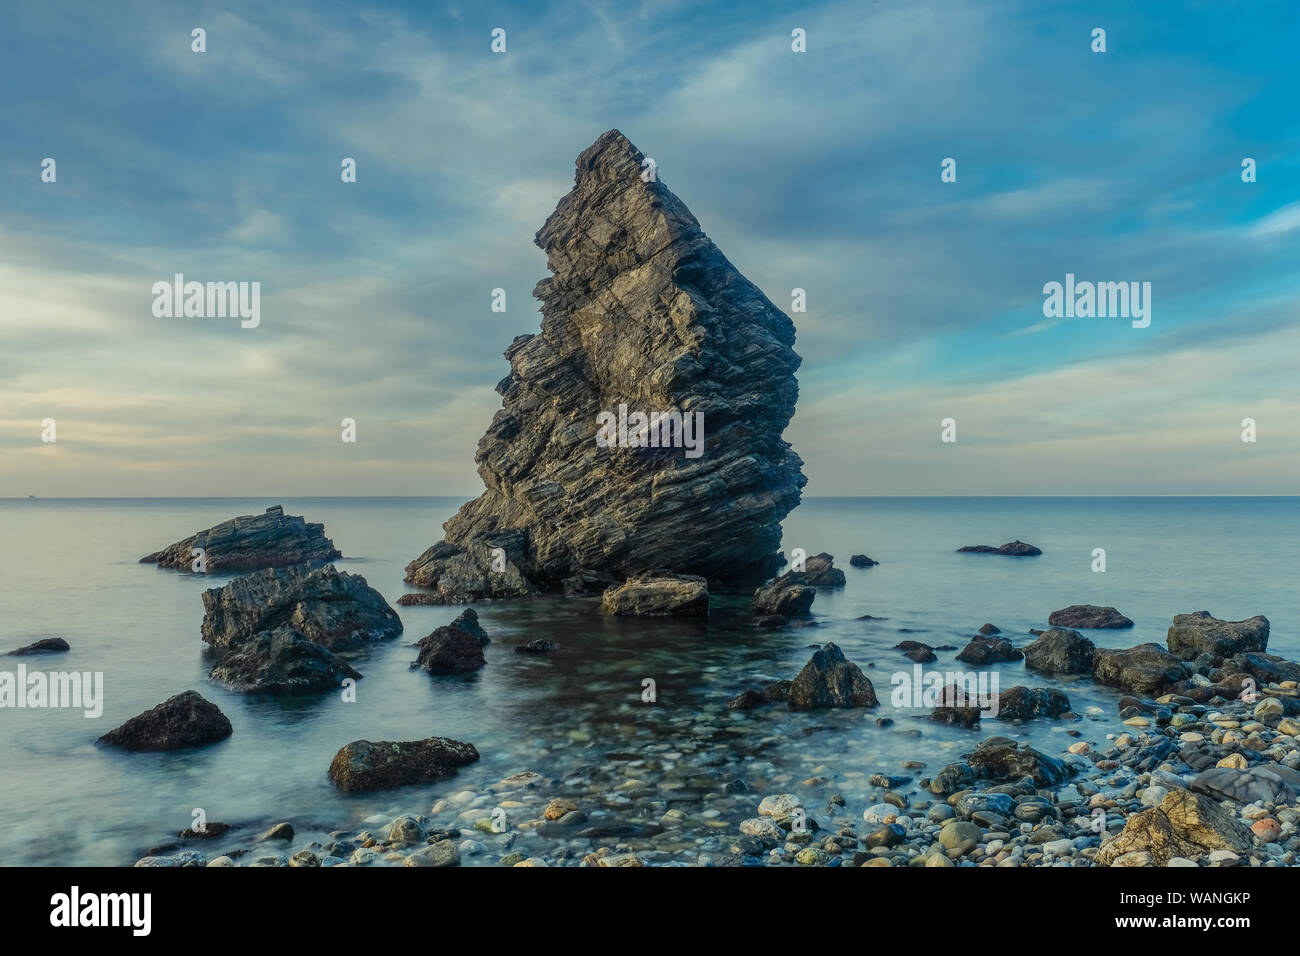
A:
(1202, 633)
(1016, 549)
(364, 765)
(659, 594)
(250, 543)
(186, 720)
(830, 680)
(334, 609)
(282, 661)
(1088, 616)
(642, 315)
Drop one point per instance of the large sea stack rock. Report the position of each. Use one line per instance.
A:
(250, 543)
(334, 609)
(642, 315)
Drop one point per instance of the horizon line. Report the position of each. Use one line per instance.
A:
(472, 497)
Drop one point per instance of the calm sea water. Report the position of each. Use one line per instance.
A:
(69, 568)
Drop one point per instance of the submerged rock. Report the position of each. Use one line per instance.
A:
(642, 316)
(861, 561)
(47, 645)
(829, 680)
(918, 651)
(364, 765)
(1088, 616)
(186, 720)
(1147, 669)
(334, 609)
(659, 594)
(1060, 651)
(1200, 633)
(250, 543)
(282, 661)
(1016, 549)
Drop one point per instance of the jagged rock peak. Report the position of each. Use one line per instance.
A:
(642, 315)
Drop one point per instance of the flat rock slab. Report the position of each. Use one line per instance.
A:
(250, 543)
(1088, 616)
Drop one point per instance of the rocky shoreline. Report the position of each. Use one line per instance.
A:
(1170, 781)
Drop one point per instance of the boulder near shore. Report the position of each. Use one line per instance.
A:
(364, 765)
(641, 428)
(1088, 616)
(250, 543)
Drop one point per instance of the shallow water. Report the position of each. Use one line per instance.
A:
(69, 568)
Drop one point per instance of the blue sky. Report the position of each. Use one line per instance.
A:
(817, 170)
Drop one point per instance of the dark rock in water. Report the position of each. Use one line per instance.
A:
(787, 596)
(774, 693)
(250, 543)
(537, 646)
(1146, 670)
(659, 594)
(746, 700)
(1017, 549)
(1088, 616)
(989, 630)
(1201, 633)
(988, 650)
(186, 720)
(1026, 703)
(862, 561)
(48, 645)
(956, 706)
(334, 609)
(211, 831)
(486, 567)
(455, 648)
(917, 651)
(771, 620)
(364, 765)
(588, 583)
(1036, 632)
(829, 680)
(1060, 651)
(643, 315)
(1002, 759)
(1264, 668)
(819, 571)
(777, 692)
(792, 593)
(282, 661)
